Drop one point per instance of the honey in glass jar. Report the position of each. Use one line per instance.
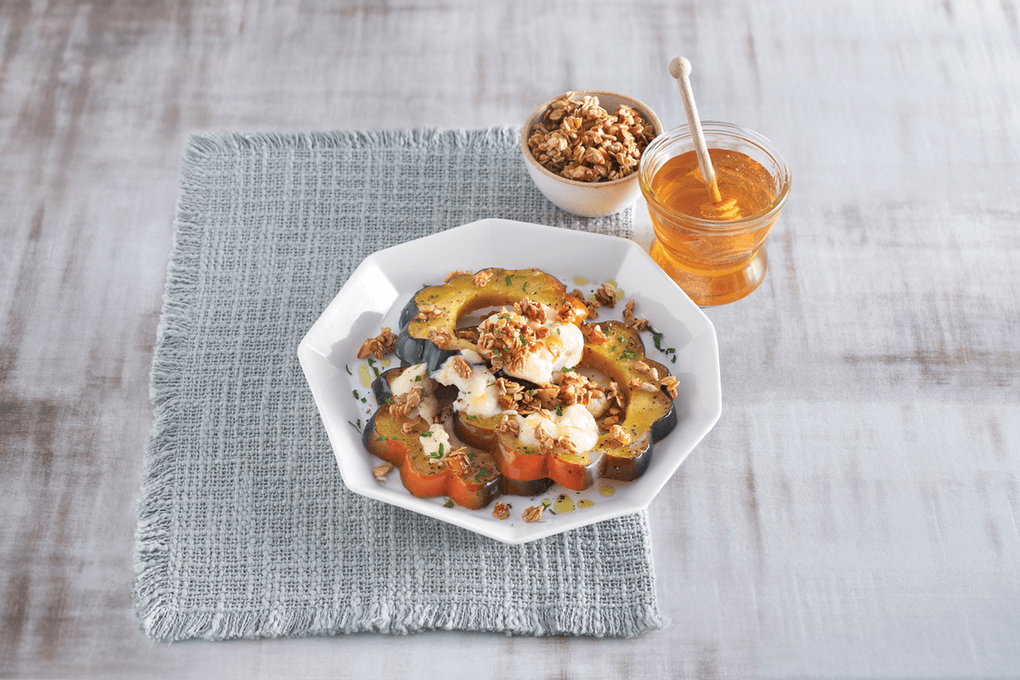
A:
(744, 185)
(714, 250)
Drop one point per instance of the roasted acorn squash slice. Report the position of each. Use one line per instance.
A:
(472, 483)
(429, 321)
(649, 411)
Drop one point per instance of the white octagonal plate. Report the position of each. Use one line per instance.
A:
(384, 282)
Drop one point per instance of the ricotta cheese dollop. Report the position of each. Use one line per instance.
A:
(479, 395)
(533, 346)
(562, 348)
(435, 442)
(576, 422)
(416, 377)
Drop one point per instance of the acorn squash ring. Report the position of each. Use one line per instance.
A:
(434, 340)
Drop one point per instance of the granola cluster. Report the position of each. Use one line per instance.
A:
(507, 338)
(402, 404)
(615, 408)
(533, 514)
(458, 459)
(607, 296)
(549, 443)
(580, 140)
(380, 345)
(501, 510)
(429, 313)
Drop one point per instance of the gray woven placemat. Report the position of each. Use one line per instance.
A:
(245, 527)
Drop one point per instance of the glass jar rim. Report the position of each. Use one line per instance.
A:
(683, 132)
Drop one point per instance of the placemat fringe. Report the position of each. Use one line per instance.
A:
(402, 620)
(201, 145)
(152, 537)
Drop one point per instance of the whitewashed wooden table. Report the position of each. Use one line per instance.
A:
(855, 511)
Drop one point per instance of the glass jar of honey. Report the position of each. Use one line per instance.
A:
(713, 249)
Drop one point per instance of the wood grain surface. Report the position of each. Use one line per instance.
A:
(854, 513)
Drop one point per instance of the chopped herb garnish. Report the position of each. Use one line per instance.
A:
(509, 281)
(348, 369)
(417, 378)
(482, 474)
(448, 503)
(657, 339)
(426, 434)
(629, 354)
(356, 427)
(356, 395)
(559, 410)
(567, 369)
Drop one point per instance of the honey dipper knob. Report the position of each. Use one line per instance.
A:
(680, 69)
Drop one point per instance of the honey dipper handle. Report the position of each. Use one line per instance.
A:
(680, 69)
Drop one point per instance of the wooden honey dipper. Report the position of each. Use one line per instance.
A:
(680, 69)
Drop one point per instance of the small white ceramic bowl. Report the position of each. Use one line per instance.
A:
(586, 199)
